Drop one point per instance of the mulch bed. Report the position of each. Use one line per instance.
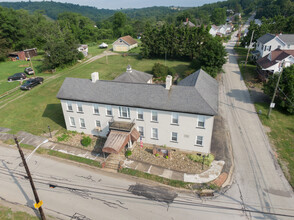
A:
(178, 160)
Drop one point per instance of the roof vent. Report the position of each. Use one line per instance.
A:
(129, 69)
(94, 77)
(168, 82)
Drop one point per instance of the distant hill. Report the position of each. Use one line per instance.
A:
(53, 9)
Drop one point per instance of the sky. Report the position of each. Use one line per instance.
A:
(117, 4)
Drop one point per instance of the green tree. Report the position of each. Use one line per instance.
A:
(218, 16)
(211, 57)
(118, 24)
(285, 93)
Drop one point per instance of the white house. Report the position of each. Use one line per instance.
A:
(179, 116)
(269, 42)
(84, 49)
(124, 43)
(222, 30)
(274, 62)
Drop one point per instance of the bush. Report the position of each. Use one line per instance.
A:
(86, 141)
(80, 56)
(198, 158)
(161, 71)
(128, 153)
(63, 137)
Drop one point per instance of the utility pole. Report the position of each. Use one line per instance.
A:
(32, 65)
(38, 202)
(249, 47)
(270, 108)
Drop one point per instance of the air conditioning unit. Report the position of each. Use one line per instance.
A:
(98, 129)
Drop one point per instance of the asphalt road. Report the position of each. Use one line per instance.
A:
(258, 178)
(87, 193)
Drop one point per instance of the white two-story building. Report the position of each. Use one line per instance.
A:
(179, 116)
(270, 42)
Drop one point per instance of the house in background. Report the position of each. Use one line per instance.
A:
(23, 55)
(84, 49)
(125, 43)
(134, 76)
(222, 30)
(178, 116)
(274, 62)
(188, 23)
(269, 42)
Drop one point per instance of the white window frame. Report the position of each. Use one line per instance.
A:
(81, 126)
(199, 117)
(96, 123)
(96, 107)
(69, 106)
(196, 141)
(124, 110)
(176, 117)
(139, 111)
(153, 113)
(152, 134)
(108, 108)
(172, 136)
(141, 133)
(80, 105)
(72, 121)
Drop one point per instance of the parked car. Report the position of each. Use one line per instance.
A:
(29, 71)
(31, 83)
(17, 76)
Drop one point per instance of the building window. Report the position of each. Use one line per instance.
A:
(97, 123)
(108, 110)
(154, 116)
(174, 136)
(72, 121)
(82, 123)
(141, 130)
(201, 121)
(269, 48)
(175, 118)
(154, 133)
(140, 114)
(80, 107)
(264, 48)
(124, 112)
(69, 106)
(199, 140)
(96, 109)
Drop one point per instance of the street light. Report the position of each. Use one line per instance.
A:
(49, 131)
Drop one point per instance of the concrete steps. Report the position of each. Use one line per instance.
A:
(113, 160)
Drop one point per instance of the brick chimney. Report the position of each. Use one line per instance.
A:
(168, 82)
(94, 77)
(187, 19)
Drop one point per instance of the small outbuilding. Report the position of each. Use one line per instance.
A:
(84, 49)
(23, 55)
(124, 43)
(103, 45)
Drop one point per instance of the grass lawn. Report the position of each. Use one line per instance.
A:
(40, 107)
(8, 214)
(282, 136)
(248, 72)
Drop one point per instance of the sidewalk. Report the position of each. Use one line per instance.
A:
(26, 138)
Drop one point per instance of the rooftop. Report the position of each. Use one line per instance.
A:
(198, 98)
(133, 76)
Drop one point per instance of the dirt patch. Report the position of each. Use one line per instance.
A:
(177, 161)
(267, 129)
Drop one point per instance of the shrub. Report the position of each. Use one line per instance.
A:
(198, 158)
(156, 155)
(128, 153)
(80, 56)
(86, 141)
(161, 71)
(166, 157)
(63, 137)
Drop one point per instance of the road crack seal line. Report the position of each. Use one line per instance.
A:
(244, 210)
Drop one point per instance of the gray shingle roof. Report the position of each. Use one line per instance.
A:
(266, 38)
(198, 99)
(287, 38)
(133, 76)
